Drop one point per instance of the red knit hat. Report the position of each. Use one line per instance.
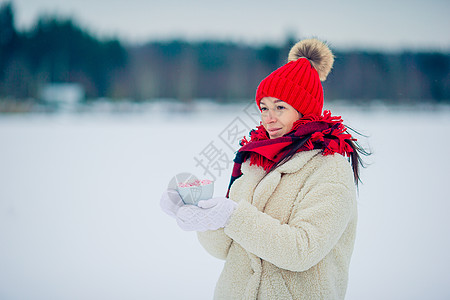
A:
(298, 81)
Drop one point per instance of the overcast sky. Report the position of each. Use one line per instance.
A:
(381, 24)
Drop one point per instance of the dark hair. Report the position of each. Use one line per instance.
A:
(355, 156)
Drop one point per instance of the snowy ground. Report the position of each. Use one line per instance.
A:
(80, 217)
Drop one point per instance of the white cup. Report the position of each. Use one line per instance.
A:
(193, 194)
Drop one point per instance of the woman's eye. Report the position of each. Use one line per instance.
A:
(280, 107)
(263, 108)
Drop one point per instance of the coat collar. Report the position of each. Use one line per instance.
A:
(265, 184)
(291, 166)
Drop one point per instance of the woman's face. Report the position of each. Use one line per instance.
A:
(277, 116)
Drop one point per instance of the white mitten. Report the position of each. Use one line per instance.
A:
(171, 202)
(210, 214)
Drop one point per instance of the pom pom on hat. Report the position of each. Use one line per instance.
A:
(298, 81)
(318, 54)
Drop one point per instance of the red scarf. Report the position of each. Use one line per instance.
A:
(324, 132)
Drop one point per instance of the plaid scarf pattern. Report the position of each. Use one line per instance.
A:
(325, 132)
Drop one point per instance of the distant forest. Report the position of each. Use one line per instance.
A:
(58, 50)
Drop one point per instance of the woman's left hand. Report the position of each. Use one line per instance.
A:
(210, 214)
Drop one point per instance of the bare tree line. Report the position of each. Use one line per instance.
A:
(57, 50)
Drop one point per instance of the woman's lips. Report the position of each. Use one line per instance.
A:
(274, 130)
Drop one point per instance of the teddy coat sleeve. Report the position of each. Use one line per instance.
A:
(320, 215)
(215, 242)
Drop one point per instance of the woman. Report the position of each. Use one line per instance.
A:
(287, 226)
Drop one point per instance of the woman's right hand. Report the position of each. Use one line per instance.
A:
(210, 214)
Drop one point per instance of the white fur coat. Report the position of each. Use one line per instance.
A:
(292, 234)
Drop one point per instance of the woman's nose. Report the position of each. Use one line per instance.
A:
(270, 117)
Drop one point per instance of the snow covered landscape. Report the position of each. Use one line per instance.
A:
(80, 216)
